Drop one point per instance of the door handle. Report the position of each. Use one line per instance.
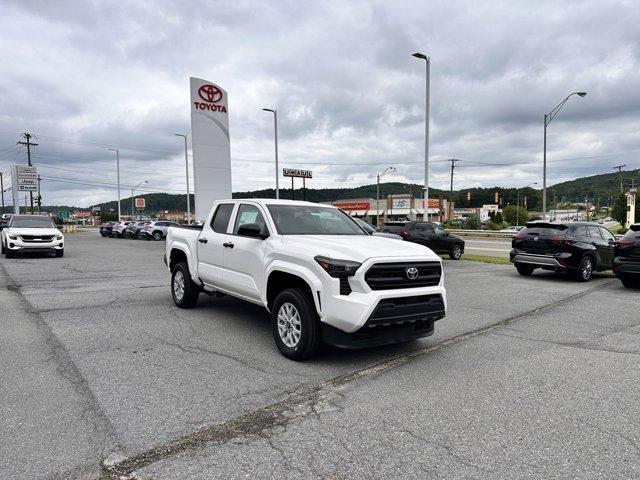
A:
(203, 240)
(228, 245)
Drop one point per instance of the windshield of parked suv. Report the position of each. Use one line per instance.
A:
(31, 222)
(311, 220)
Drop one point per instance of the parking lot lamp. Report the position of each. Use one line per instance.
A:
(378, 177)
(186, 166)
(547, 120)
(275, 132)
(118, 172)
(426, 133)
(132, 189)
(518, 202)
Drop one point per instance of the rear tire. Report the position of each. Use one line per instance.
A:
(157, 236)
(60, 253)
(585, 269)
(525, 270)
(295, 324)
(185, 293)
(2, 247)
(630, 282)
(456, 252)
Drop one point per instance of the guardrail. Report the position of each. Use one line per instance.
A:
(482, 233)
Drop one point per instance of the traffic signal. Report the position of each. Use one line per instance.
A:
(495, 198)
(468, 196)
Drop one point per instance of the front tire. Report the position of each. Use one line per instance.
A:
(185, 293)
(456, 252)
(60, 253)
(157, 236)
(585, 269)
(295, 324)
(8, 253)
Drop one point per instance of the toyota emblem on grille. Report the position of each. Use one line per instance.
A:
(411, 273)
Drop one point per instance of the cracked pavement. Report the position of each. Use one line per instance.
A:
(525, 378)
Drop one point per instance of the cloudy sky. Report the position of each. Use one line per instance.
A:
(85, 76)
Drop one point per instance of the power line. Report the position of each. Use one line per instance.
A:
(619, 168)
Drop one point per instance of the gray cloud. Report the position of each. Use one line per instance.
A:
(88, 75)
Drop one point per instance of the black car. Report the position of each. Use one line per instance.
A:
(626, 265)
(428, 234)
(372, 231)
(578, 248)
(105, 229)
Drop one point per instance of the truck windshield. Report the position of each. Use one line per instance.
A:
(31, 222)
(311, 220)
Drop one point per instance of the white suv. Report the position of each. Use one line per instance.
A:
(322, 277)
(31, 233)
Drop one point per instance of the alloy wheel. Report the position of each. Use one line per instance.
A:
(289, 325)
(178, 285)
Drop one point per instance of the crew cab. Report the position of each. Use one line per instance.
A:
(579, 248)
(626, 265)
(31, 233)
(321, 277)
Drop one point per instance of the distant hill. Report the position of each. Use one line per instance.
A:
(599, 187)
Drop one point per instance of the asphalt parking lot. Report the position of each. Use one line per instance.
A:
(525, 378)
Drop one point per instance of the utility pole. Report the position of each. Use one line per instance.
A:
(453, 166)
(118, 173)
(39, 196)
(2, 190)
(186, 165)
(29, 144)
(619, 168)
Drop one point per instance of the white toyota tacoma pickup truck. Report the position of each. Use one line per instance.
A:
(318, 273)
(31, 233)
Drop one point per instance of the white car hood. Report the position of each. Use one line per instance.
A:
(358, 247)
(33, 231)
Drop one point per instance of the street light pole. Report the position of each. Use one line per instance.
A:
(186, 166)
(518, 203)
(426, 133)
(275, 132)
(378, 177)
(118, 171)
(548, 117)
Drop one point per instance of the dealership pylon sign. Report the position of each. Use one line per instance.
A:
(24, 178)
(210, 144)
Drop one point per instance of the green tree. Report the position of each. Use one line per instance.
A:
(512, 214)
(108, 217)
(473, 222)
(619, 210)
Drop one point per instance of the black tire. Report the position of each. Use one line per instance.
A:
(585, 269)
(157, 236)
(8, 253)
(1, 247)
(310, 332)
(103, 234)
(456, 252)
(188, 297)
(525, 270)
(630, 282)
(60, 253)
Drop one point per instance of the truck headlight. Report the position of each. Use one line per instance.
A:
(338, 268)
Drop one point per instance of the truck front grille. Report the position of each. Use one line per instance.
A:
(389, 276)
(394, 312)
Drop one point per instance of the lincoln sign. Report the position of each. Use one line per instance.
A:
(294, 172)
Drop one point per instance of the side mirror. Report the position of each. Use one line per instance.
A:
(252, 230)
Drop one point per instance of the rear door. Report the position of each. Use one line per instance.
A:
(244, 270)
(210, 245)
(608, 247)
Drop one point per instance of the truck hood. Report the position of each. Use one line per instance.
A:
(358, 247)
(33, 231)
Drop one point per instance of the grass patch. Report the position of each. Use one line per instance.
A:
(486, 259)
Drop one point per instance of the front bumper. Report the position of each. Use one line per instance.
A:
(625, 267)
(367, 317)
(20, 245)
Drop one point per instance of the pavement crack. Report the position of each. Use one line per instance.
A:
(304, 403)
(584, 345)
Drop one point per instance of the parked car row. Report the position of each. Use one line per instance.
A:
(141, 229)
(577, 248)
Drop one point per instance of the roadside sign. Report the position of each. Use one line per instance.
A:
(294, 172)
(63, 214)
(26, 178)
(140, 203)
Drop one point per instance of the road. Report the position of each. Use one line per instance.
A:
(488, 247)
(525, 378)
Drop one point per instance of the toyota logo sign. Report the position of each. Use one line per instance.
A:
(411, 273)
(210, 93)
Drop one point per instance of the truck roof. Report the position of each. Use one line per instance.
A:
(273, 201)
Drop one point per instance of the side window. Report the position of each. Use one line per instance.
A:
(221, 217)
(581, 232)
(606, 234)
(594, 232)
(249, 214)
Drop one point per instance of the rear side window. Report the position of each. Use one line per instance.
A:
(594, 232)
(544, 231)
(606, 234)
(391, 228)
(221, 217)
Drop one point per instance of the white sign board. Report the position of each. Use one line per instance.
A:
(210, 145)
(24, 178)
